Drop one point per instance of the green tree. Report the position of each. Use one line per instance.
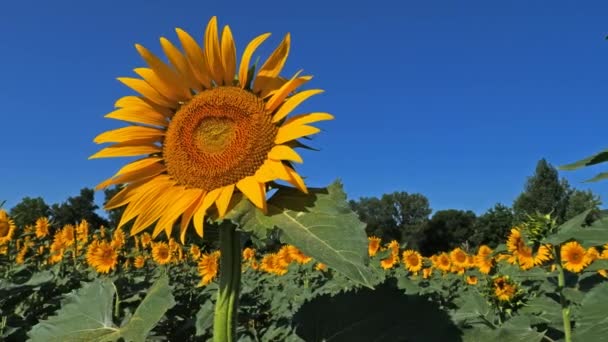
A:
(29, 210)
(579, 201)
(396, 216)
(447, 229)
(543, 193)
(493, 226)
(78, 208)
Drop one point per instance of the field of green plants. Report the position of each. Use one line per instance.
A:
(84, 283)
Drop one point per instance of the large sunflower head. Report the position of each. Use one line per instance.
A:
(7, 227)
(206, 127)
(573, 256)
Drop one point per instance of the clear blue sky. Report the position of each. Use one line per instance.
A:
(457, 102)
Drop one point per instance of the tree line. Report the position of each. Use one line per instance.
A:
(407, 217)
(396, 216)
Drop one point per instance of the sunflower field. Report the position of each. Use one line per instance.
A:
(220, 238)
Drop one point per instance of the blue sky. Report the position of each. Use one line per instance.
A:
(457, 102)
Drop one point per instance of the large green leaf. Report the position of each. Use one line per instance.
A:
(319, 223)
(473, 308)
(385, 314)
(583, 229)
(592, 324)
(517, 329)
(594, 159)
(543, 310)
(86, 315)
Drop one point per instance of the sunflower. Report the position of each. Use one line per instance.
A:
(483, 259)
(208, 267)
(139, 262)
(146, 239)
(161, 253)
(102, 256)
(442, 262)
(272, 263)
(573, 257)
(504, 289)
(7, 227)
(321, 267)
(82, 231)
(296, 255)
(543, 254)
(207, 129)
(42, 227)
(591, 255)
(515, 241)
(68, 234)
(195, 252)
(427, 272)
(471, 280)
(525, 257)
(458, 257)
(118, 238)
(374, 245)
(412, 260)
(248, 254)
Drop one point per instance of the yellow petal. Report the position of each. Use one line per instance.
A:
(147, 91)
(153, 79)
(212, 51)
(264, 174)
(296, 180)
(294, 101)
(137, 165)
(130, 133)
(171, 83)
(187, 216)
(137, 102)
(136, 175)
(199, 215)
(282, 152)
(155, 208)
(195, 57)
(273, 66)
(177, 208)
(245, 59)
(171, 195)
(292, 132)
(141, 202)
(123, 197)
(304, 119)
(271, 86)
(138, 115)
(223, 200)
(228, 56)
(287, 88)
(130, 149)
(179, 61)
(255, 191)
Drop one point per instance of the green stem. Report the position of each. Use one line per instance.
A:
(561, 283)
(226, 307)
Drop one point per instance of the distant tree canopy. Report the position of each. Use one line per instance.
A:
(395, 216)
(78, 208)
(447, 229)
(545, 193)
(29, 210)
(493, 226)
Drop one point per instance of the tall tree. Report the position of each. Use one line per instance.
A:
(493, 226)
(78, 208)
(447, 229)
(543, 193)
(29, 210)
(579, 201)
(395, 216)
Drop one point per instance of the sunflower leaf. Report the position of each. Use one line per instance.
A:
(583, 229)
(592, 324)
(323, 226)
(86, 315)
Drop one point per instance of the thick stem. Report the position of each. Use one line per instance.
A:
(561, 283)
(226, 307)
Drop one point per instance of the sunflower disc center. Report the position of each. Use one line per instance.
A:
(4, 228)
(221, 136)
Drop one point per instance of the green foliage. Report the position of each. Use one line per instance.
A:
(78, 208)
(319, 223)
(384, 314)
(29, 210)
(86, 315)
(447, 229)
(592, 324)
(590, 228)
(395, 216)
(493, 226)
(598, 158)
